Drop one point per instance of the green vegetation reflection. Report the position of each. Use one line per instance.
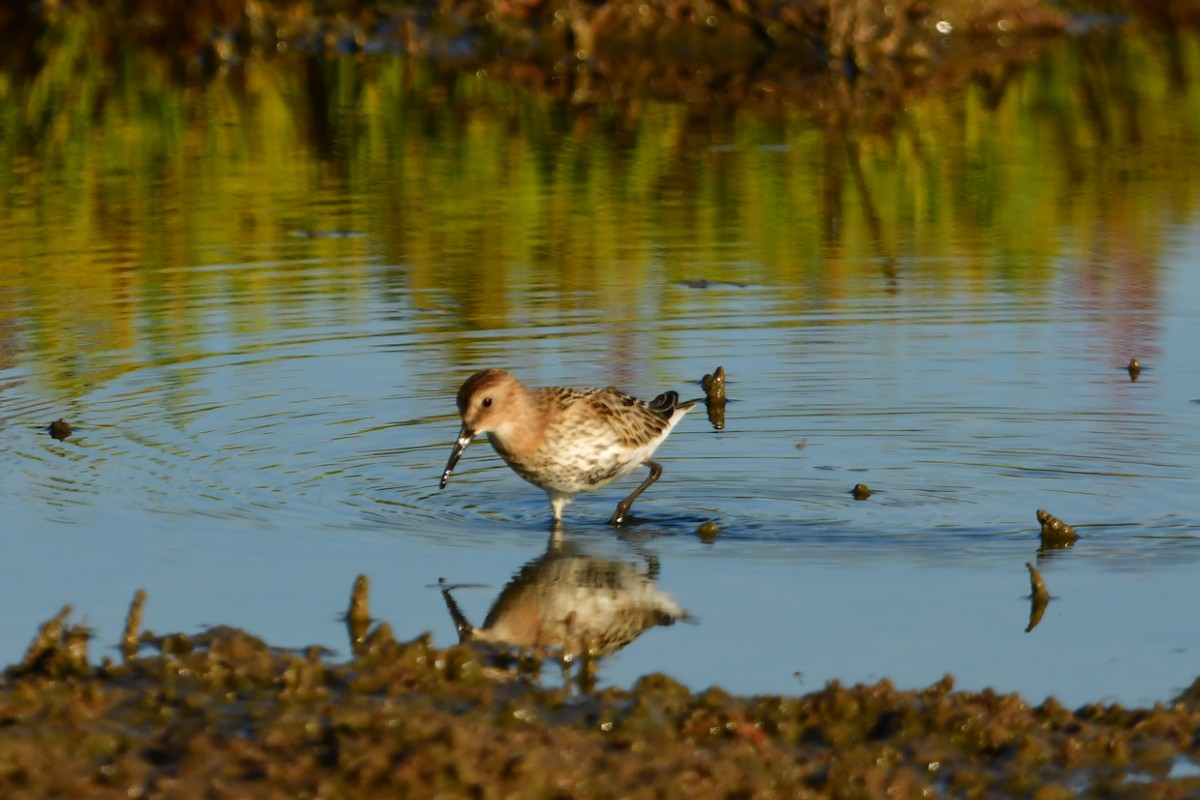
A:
(134, 200)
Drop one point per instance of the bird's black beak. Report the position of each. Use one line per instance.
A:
(465, 437)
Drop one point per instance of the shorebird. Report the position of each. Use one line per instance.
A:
(566, 440)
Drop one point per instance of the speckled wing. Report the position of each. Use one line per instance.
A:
(596, 436)
(634, 423)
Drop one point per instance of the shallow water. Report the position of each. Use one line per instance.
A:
(262, 413)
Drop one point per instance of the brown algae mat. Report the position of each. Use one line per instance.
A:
(222, 714)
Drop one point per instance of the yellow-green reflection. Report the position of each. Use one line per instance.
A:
(135, 201)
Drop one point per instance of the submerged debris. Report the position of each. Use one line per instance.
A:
(714, 386)
(714, 397)
(60, 429)
(1055, 532)
(312, 233)
(705, 283)
(1039, 597)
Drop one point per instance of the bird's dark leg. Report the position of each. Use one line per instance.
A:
(621, 514)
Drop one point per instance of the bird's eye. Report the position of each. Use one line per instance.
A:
(487, 402)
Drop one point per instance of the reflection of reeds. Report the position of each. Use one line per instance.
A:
(128, 172)
(546, 30)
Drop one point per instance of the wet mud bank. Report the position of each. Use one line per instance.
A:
(222, 714)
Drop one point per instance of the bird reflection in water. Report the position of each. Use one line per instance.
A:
(579, 606)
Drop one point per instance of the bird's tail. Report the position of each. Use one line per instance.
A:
(668, 403)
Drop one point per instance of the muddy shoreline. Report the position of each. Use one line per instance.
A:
(223, 714)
